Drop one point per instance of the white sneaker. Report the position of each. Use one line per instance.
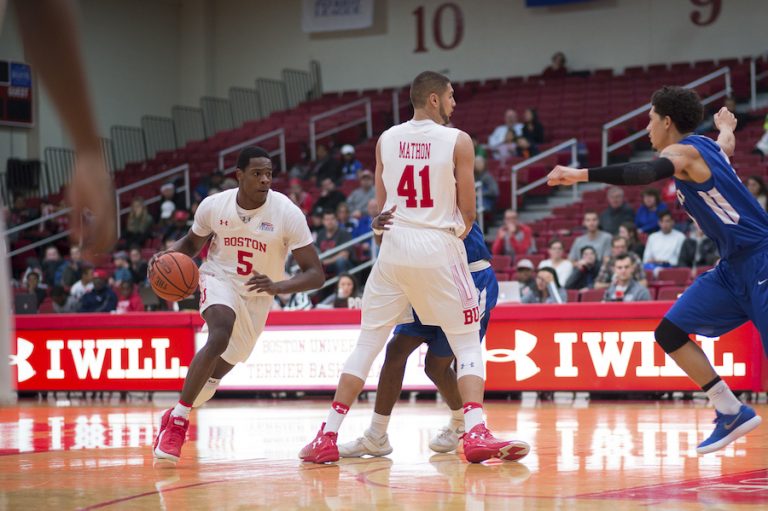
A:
(446, 440)
(366, 445)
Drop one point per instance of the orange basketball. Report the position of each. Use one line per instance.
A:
(174, 276)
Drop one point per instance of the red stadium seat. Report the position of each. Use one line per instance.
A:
(592, 295)
(680, 276)
(670, 292)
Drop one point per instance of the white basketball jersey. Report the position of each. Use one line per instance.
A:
(418, 174)
(261, 244)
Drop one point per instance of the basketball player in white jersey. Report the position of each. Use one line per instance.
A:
(424, 172)
(50, 36)
(251, 229)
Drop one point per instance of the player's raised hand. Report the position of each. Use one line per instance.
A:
(383, 220)
(725, 120)
(92, 219)
(562, 175)
(262, 284)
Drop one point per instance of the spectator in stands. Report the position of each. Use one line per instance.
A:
(599, 240)
(53, 266)
(332, 236)
(624, 287)
(761, 147)
(489, 190)
(508, 149)
(101, 298)
(329, 199)
(757, 188)
(647, 217)
(617, 212)
(62, 301)
(533, 131)
(557, 67)
(347, 295)
(73, 268)
(524, 148)
(663, 247)
(179, 228)
(346, 221)
(326, 166)
(129, 300)
(513, 238)
(556, 260)
(205, 186)
(585, 270)
(122, 267)
(479, 148)
(300, 197)
(524, 276)
(360, 196)
(138, 266)
(32, 286)
(364, 226)
(138, 226)
(229, 183)
(698, 249)
(350, 166)
(619, 247)
(84, 285)
(167, 203)
(500, 133)
(547, 289)
(628, 231)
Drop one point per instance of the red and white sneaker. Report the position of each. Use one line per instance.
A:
(481, 445)
(163, 425)
(323, 448)
(171, 439)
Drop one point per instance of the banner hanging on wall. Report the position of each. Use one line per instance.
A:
(336, 15)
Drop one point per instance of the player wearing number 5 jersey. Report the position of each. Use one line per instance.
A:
(424, 173)
(251, 229)
(736, 290)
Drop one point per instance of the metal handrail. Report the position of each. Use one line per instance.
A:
(313, 136)
(515, 192)
(280, 133)
(723, 71)
(184, 168)
(754, 77)
(335, 250)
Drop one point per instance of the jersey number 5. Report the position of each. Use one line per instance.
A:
(244, 265)
(407, 188)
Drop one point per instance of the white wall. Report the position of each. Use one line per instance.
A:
(143, 56)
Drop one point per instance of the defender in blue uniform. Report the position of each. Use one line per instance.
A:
(736, 290)
(438, 364)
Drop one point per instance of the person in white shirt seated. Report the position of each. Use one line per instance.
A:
(663, 247)
(556, 260)
(500, 133)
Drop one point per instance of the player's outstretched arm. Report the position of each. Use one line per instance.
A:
(725, 122)
(464, 156)
(631, 173)
(310, 277)
(50, 37)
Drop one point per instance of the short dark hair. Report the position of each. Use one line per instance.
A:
(681, 105)
(587, 247)
(619, 238)
(622, 257)
(425, 84)
(555, 240)
(653, 192)
(244, 158)
(664, 213)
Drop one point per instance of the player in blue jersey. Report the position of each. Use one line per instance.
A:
(438, 363)
(736, 290)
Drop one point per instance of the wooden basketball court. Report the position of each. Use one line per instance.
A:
(242, 455)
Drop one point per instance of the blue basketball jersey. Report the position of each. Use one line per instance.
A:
(475, 245)
(722, 205)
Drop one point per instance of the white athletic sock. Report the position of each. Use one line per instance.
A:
(473, 415)
(379, 424)
(207, 392)
(181, 410)
(335, 417)
(723, 399)
(457, 420)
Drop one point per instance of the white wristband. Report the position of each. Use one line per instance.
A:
(377, 232)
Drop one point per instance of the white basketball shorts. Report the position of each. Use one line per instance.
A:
(251, 315)
(426, 269)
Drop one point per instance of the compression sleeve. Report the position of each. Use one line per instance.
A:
(633, 173)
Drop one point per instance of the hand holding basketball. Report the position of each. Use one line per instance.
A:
(173, 275)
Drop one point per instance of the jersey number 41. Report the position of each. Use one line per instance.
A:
(407, 188)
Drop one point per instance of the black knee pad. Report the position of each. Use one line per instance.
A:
(669, 336)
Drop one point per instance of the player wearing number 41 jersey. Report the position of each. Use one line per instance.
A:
(251, 229)
(425, 176)
(736, 290)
